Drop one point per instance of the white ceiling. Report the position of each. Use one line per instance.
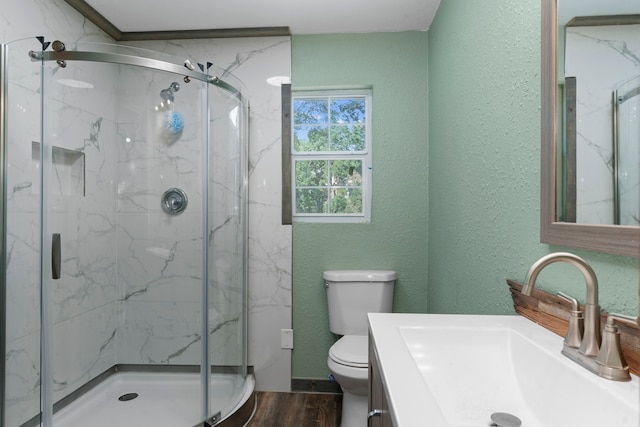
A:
(301, 16)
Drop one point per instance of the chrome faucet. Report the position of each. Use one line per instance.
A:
(582, 343)
(590, 345)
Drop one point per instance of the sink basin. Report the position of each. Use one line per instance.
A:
(458, 370)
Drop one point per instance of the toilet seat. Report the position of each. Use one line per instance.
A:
(351, 350)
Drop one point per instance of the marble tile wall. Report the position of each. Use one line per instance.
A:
(83, 302)
(160, 264)
(590, 51)
(159, 261)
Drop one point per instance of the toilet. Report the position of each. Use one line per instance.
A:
(351, 294)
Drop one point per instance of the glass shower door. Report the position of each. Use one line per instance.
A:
(21, 251)
(628, 152)
(76, 156)
(123, 254)
(226, 310)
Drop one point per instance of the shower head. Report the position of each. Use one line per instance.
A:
(167, 94)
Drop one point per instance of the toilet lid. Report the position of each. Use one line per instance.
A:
(351, 350)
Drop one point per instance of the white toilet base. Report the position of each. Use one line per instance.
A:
(354, 410)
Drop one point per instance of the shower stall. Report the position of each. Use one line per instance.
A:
(124, 238)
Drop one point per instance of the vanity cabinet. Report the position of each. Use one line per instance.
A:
(377, 393)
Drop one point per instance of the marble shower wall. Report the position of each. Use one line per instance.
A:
(83, 302)
(159, 261)
(601, 58)
(253, 60)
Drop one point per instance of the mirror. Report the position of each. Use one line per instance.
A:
(568, 193)
(599, 94)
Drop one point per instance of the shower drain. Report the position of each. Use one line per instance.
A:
(127, 397)
(502, 419)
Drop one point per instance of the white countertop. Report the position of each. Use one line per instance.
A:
(412, 402)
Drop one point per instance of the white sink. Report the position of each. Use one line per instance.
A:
(458, 370)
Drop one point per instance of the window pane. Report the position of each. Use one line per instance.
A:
(310, 138)
(346, 173)
(346, 200)
(311, 173)
(330, 151)
(310, 111)
(311, 200)
(348, 138)
(348, 110)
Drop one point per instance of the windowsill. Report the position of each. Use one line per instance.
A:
(331, 220)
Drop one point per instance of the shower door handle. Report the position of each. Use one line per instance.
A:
(56, 256)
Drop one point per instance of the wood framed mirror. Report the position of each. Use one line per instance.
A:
(607, 238)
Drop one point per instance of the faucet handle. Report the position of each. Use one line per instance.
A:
(574, 302)
(612, 317)
(610, 358)
(573, 338)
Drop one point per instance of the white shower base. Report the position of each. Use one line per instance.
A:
(164, 400)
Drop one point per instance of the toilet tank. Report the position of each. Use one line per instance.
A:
(351, 294)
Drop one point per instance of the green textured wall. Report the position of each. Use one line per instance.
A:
(484, 171)
(482, 62)
(395, 65)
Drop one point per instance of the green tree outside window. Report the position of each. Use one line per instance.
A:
(329, 151)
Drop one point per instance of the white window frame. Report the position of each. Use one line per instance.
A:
(365, 156)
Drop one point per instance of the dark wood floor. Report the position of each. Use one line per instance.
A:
(297, 410)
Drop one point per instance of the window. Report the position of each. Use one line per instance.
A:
(331, 156)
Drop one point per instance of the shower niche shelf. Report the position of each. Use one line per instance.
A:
(68, 175)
